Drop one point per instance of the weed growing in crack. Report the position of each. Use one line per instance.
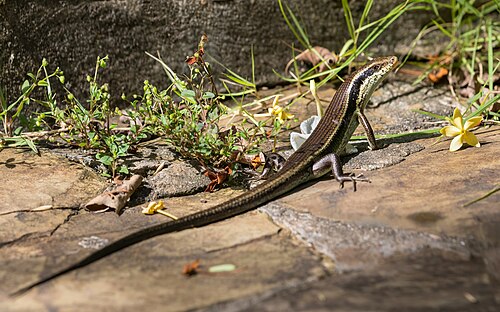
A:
(187, 114)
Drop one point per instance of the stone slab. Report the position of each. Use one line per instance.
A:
(426, 192)
(33, 181)
(149, 274)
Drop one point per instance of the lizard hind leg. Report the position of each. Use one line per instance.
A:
(332, 162)
(273, 162)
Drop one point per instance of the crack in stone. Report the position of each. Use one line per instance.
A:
(73, 213)
(43, 234)
(22, 238)
(35, 210)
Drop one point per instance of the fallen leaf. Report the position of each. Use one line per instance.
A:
(256, 162)
(116, 198)
(217, 178)
(435, 77)
(222, 268)
(191, 268)
(314, 57)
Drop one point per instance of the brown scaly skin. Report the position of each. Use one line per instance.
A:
(316, 157)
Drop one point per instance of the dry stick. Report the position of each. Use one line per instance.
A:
(39, 134)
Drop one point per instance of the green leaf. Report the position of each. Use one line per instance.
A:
(123, 169)
(25, 87)
(42, 83)
(123, 150)
(104, 159)
(31, 145)
(188, 93)
(208, 95)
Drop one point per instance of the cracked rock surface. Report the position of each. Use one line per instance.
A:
(411, 240)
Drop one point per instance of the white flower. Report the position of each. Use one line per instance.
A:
(306, 128)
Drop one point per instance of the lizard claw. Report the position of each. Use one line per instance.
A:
(354, 179)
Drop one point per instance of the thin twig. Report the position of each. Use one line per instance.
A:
(39, 134)
(493, 191)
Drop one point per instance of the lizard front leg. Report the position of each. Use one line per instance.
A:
(332, 162)
(368, 130)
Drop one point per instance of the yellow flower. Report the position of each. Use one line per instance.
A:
(154, 207)
(460, 130)
(279, 112)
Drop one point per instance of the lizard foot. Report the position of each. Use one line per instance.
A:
(352, 178)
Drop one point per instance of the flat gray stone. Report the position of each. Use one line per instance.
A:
(426, 192)
(177, 179)
(406, 241)
(149, 274)
(40, 181)
(425, 281)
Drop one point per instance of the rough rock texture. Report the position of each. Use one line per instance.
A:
(72, 34)
(412, 240)
(403, 242)
(43, 181)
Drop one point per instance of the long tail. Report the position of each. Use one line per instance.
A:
(240, 204)
(194, 220)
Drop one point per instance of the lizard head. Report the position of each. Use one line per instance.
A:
(367, 78)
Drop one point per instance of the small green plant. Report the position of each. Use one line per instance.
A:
(12, 117)
(189, 112)
(468, 59)
(86, 125)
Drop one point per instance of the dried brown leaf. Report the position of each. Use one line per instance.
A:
(116, 198)
(192, 268)
(325, 57)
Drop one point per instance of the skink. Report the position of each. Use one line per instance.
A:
(317, 156)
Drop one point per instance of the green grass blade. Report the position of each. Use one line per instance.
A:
(253, 65)
(236, 78)
(300, 29)
(365, 13)
(419, 111)
(170, 73)
(296, 29)
(396, 135)
(490, 54)
(349, 19)
(443, 30)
